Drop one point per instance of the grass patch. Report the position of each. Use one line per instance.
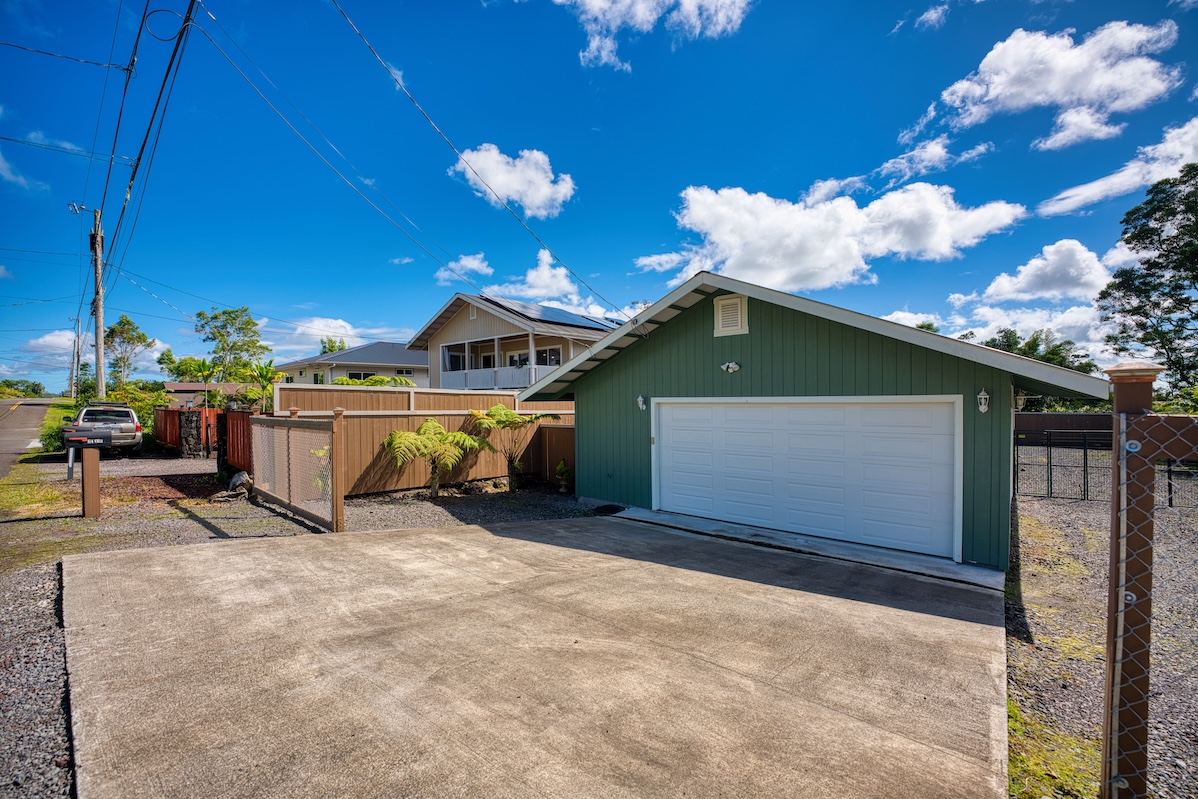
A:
(26, 492)
(1043, 553)
(50, 432)
(1044, 762)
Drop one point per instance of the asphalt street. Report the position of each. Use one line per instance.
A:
(19, 423)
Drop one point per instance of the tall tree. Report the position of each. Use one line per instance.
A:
(331, 344)
(1043, 345)
(233, 334)
(1154, 303)
(125, 340)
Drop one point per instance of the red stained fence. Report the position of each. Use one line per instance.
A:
(166, 427)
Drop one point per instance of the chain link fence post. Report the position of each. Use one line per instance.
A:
(337, 469)
(1129, 601)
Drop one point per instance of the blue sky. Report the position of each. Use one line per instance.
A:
(960, 162)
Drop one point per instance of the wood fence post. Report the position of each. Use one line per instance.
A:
(338, 468)
(1129, 601)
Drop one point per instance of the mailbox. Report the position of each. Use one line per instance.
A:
(86, 439)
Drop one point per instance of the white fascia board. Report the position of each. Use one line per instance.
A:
(682, 297)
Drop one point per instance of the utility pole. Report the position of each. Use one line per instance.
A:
(75, 361)
(97, 241)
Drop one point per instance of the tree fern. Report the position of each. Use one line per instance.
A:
(441, 448)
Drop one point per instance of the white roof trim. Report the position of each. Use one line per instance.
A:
(1028, 368)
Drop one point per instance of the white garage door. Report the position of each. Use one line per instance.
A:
(879, 473)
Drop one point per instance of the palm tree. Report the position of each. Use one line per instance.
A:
(441, 448)
(501, 417)
(265, 375)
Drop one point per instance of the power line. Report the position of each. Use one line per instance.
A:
(125, 160)
(67, 57)
(38, 252)
(469, 166)
(329, 164)
(124, 94)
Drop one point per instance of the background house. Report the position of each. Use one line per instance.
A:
(480, 342)
(386, 358)
(738, 403)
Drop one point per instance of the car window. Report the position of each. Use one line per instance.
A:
(106, 415)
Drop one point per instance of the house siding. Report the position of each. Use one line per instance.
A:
(787, 353)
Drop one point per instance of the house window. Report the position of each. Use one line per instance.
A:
(730, 315)
(359, 375)
(289, 379)
(301, 372)
(549, 357)
(455, 361)
(404, 372)
(488, 360)
(517, 359)
(318, 378)
(473, 312)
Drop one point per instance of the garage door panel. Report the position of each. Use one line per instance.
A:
(867, 472)
(817, 443)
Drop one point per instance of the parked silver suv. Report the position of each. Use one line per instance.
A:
(116, 417)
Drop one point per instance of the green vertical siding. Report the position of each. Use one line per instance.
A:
(789, 354)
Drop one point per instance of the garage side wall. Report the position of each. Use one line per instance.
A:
(787, 353)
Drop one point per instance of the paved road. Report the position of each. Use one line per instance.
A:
(19, 423)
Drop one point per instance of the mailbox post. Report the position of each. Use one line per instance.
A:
(90, 441)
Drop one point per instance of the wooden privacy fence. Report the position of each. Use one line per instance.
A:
(370, 467)
(385, 398)
(167, 428)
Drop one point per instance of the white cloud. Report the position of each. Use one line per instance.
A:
(552, 286)
(933, 18)
(527, 179)
(300, 338)
(912, 319)
(402, 260)
(1075, 125)
(462, 268)
(957, 300)
(1064, 269)
(928, 156)
(41, 138)
(1184, 5)
(9, 174)
(794, 246)
(1109, 72)
(368, 181)
(4, 273)
(1118, 257)
(396, 75)
(910, 134)
(1081, 324)
(604, 19)
(660, 263)
(1178, 147)
(824, 190)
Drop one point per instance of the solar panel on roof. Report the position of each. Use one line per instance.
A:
(547, 314)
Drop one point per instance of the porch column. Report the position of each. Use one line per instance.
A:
(495, 366)
(532, 358)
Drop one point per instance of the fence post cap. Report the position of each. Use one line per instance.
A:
(1134, 372)
(293, 411)
(338, 411)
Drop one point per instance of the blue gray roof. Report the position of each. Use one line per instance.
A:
(376, 353)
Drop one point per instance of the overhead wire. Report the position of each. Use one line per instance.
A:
(67, 57)
(348, 182)
(523, 223)
(95, 156)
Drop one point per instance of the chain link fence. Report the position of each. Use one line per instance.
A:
(1151, 724)
(293, 466)
(1076, 464)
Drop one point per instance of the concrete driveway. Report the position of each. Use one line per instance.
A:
(585, 657)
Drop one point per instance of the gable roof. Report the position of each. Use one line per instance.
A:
(1028, 374)
(375, 353)
(541, 319)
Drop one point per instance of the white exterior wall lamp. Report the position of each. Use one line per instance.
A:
(983, 401)
(730, 367)
(640, 403)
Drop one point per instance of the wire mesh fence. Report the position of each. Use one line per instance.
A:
(1076, 464)
(293, 466)
(1151, 728)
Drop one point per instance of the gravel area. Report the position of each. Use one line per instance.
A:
(160, 502)
(1056, 630)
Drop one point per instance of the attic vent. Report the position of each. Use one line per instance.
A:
(730, 315)
(473, 312)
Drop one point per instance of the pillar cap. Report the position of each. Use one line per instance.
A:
(1135, 371)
